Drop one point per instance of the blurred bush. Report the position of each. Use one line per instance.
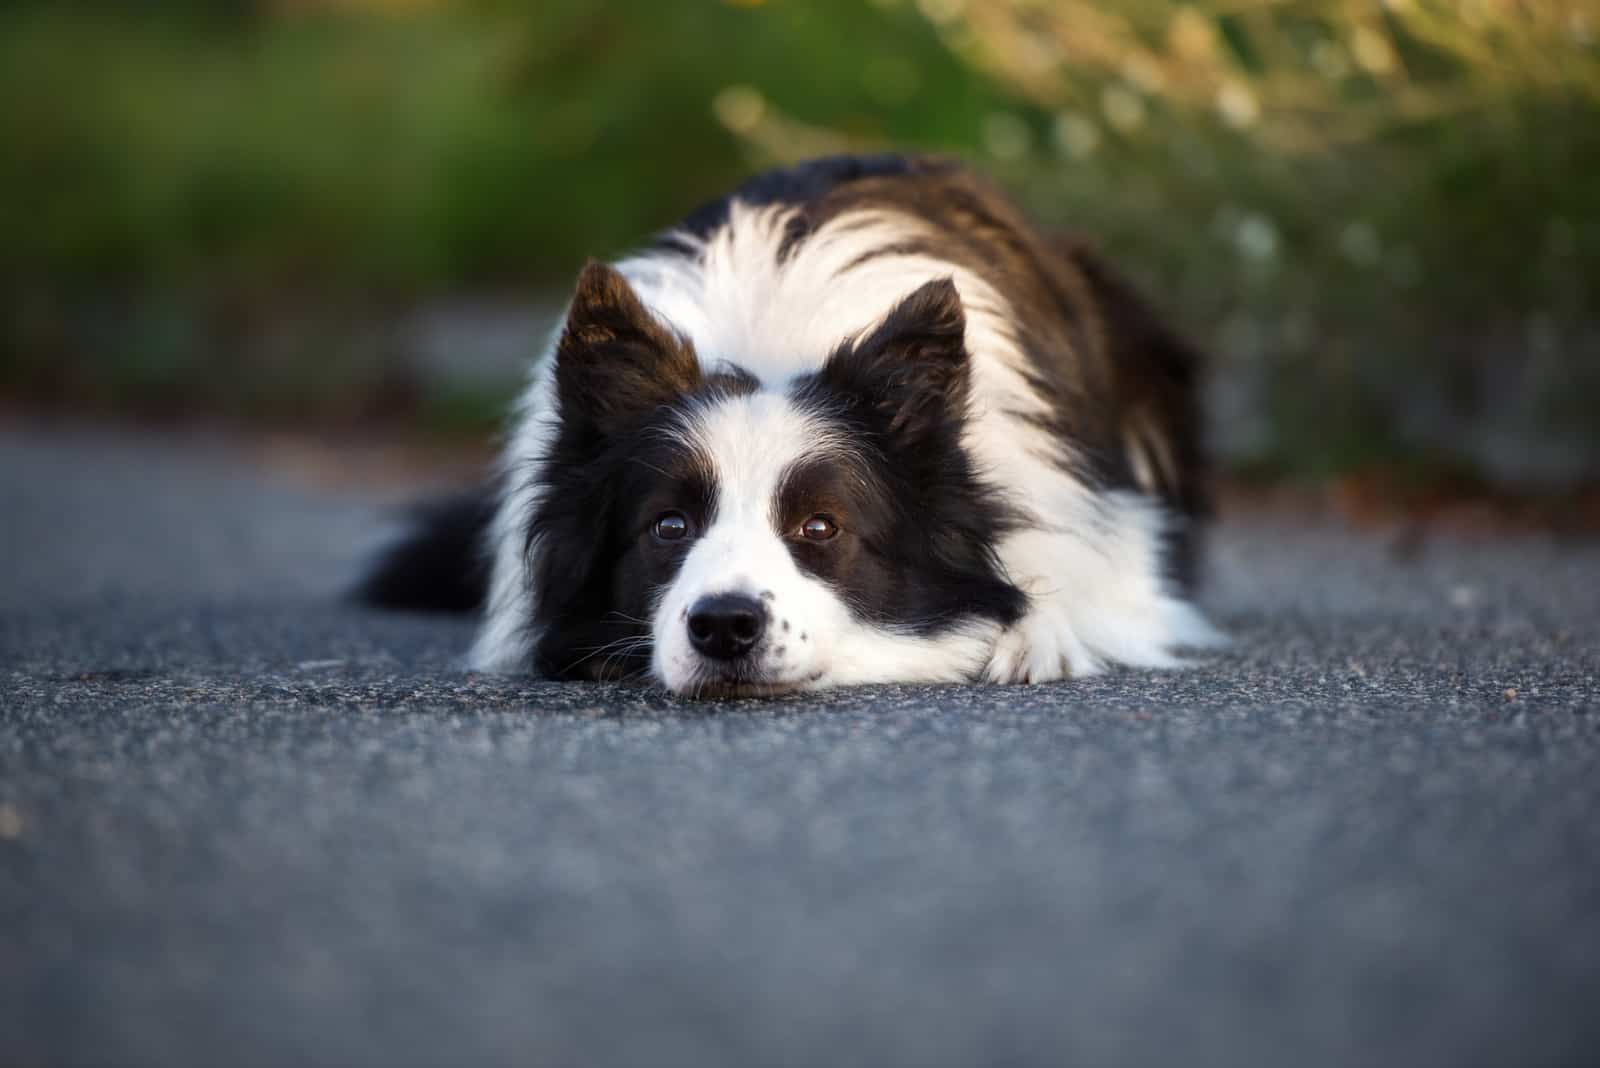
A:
(1384, 216)
(1381, 216)
(227, 206)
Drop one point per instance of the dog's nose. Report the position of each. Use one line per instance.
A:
(726, 625)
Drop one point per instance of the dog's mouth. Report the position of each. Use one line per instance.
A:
(727, 683)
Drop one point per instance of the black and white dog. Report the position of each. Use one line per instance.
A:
(856, 422)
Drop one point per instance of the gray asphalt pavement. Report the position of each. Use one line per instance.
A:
(243, 823)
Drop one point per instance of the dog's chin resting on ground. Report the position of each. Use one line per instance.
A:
(856, 422)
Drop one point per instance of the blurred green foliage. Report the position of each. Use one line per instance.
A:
(1383, 218)
(443, 145)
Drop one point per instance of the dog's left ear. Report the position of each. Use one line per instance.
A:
(909, 375)
(616, 362)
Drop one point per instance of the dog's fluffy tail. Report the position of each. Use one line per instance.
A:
(439, 564)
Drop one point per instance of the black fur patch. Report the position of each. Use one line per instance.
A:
(441, 565)
(615, 360)
(803, 184)
(597, 566)
(912, 370)
(623, 384)
(917, 526)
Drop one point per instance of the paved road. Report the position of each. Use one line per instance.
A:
(242, 823)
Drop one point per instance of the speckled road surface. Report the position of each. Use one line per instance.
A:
(242, 823)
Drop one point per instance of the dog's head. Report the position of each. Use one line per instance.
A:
(729, 536)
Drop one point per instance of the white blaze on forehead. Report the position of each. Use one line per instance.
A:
(752, 442)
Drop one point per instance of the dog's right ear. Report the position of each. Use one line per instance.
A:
(616, 362)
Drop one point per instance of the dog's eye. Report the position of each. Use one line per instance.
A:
(818, 528)
(670, 526)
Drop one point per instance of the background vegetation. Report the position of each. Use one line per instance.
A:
(1383, 218)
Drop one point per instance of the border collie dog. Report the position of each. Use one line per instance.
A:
(857, 422)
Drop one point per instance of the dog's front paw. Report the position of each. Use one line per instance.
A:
(1047, 645)
(1042, 647)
